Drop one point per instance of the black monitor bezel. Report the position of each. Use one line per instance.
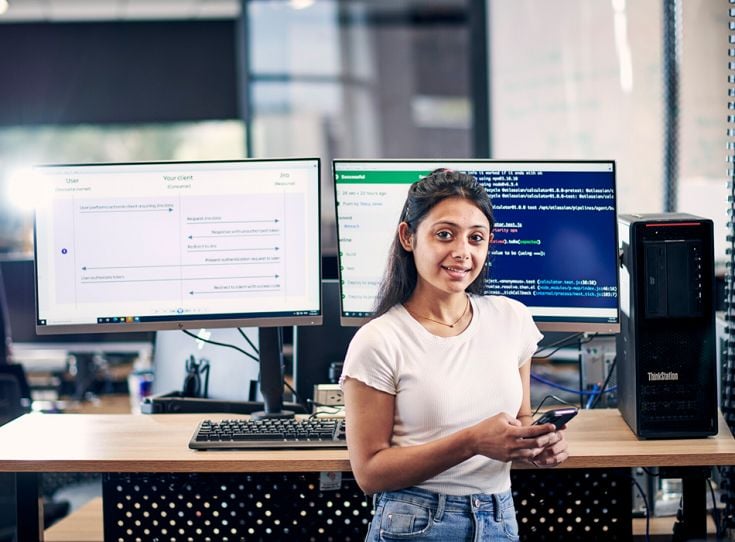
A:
(193, 322)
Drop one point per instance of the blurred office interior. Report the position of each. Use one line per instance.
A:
(126, 80)
(137, 80)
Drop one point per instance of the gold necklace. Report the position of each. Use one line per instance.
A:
(439, 321)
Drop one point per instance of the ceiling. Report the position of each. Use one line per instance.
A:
(116, 10)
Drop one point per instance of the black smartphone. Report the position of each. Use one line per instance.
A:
(557, 416)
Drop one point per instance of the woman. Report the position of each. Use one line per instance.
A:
(437, 385)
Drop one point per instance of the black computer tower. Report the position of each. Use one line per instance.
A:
(666, 346)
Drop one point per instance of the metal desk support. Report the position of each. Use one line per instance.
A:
(30, 508)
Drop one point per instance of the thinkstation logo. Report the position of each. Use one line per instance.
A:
(656, 377)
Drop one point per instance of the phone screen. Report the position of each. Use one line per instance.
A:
(557, 416)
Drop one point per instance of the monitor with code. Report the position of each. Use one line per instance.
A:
(555, 245)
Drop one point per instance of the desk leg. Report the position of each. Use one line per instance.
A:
(693, 522)
(30, 507)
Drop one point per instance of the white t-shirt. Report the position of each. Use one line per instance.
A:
(444, 384)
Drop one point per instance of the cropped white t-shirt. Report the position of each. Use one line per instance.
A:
(444, 384)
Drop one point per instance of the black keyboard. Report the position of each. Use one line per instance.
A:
(249, 434)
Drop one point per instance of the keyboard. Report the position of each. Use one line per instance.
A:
(285, 433)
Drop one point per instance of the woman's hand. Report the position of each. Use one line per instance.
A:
(554, 454)
(505, 438)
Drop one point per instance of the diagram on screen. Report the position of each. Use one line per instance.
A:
(177, 252)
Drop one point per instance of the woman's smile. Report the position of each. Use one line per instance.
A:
(457, 272)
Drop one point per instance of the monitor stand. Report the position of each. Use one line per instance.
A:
(270, 343)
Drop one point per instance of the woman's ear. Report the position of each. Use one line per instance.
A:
(405, 236)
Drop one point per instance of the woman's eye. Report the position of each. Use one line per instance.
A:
(477, 238)
(444, 234)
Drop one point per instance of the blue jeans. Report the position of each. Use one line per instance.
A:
(417, 514)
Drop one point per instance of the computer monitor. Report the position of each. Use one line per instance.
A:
(49, 352)
(176, 245)
(555, 246)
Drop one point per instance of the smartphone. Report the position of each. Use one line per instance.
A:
(557, 416)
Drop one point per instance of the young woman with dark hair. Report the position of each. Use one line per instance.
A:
(437, 385)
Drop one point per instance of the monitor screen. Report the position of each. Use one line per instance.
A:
(177, 245)
(155, 246)
(555, 244)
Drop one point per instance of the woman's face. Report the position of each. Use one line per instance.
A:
(450, 245)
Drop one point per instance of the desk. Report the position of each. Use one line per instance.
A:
(37, 443)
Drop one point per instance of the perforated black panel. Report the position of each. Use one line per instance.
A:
(572, 504)
(229, 507)
(562, 505)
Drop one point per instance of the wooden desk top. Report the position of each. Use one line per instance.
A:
(159, 443)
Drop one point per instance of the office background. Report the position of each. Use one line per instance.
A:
(131, 80)
(123, 80)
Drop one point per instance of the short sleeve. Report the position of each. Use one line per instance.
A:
(371, 360)
(530, 336)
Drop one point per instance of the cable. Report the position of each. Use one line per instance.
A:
(245, 336)
(559, 344)
(543, 380)
(295, 395)
(336, 409)
(607, 381)
(248, 354)
(715, 511)
(566, 340)
(590, 400)
(645, 505)
(649, 473)
(559, 399)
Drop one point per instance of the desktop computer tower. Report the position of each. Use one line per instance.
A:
(666, 357)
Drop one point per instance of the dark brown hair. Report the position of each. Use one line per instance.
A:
(400, 277)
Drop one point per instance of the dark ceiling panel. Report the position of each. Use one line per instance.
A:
(117, 72)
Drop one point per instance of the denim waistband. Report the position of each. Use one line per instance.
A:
(493, 503)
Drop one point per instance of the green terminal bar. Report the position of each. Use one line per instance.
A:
(379, 177)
